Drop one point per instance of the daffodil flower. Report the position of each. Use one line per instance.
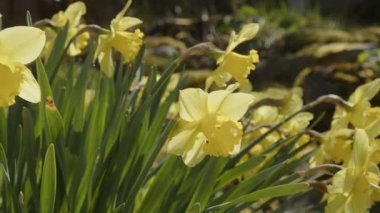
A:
(361, 115)
(209, 124)
(71, 16)
(353, 188)
(19, 46)
(234, 65)
(127, 43)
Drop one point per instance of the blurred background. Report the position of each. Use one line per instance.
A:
(323, 46)
(100, 11)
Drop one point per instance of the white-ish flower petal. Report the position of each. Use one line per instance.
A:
(21, 44)
(30, 90)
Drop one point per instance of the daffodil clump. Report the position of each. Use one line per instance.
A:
(353, 143)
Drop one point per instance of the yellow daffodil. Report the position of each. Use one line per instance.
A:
(209, 124)
(19, 46)
(71, 16)
(126, 43)
(234, 65)
(354, 187)
(361, 115)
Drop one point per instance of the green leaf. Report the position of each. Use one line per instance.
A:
(3, 128)
(270, 192)
(57, 53)
(48, 182)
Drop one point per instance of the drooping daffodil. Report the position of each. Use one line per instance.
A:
(19, 46)
(209, 124)
(234, 65)
(355, 187)
(71, 16)
(126, 43)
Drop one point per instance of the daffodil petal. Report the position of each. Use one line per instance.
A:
(215, 99)
(336, 203)
(125, 23)
(365, 92)
(188, 144)
(359, 158)
(21, 44)
(183, 141)
(235, 105)
(74, 12)
(358, 202)
(196, 154)
(30, 90)
(247, 32)
(192, 104)
(106, 62)
(124, 10)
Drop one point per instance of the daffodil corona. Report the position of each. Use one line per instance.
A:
(209, 124)
(19, 46)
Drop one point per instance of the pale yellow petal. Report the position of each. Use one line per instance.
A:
(365, 92)
(192, 104)
(121, 14)
(104, 56)
(125, 23)
(360, 150)
(336, 203)
(247, 33)
(219, 76)
(30, 90)
(235, 105)
(183, 141)
(216, 98)
(188, 144)
(196, 154)
(21, 44)
(339, 182)
(373, 127)
(358, 202)
(74, 12)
